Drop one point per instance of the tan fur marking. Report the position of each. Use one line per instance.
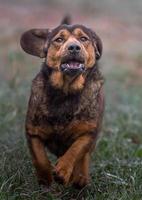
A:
(62, 33)
(78, 33)
(42, 132)
(80, 127)
(78, 83)
(56, 79)
(91, 57)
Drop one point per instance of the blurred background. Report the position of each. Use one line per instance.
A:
(119, 24)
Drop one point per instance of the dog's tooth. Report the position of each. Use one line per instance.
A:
(65, 69)
(82, 66)
(63, 65)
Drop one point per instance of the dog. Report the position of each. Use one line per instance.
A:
(66, 105)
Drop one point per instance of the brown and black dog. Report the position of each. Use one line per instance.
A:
(67, 102)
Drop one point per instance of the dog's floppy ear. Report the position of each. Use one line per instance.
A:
(98, 45)
(34, 42)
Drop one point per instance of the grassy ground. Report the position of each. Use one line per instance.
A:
(116, 167)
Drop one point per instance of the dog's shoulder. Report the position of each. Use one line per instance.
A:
(37, 96)
(40, 81)
(38, 85)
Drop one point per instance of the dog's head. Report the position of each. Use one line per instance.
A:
(68, 49)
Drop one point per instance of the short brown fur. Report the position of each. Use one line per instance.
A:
(65, 112)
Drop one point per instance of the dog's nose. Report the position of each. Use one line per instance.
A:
(74, 48)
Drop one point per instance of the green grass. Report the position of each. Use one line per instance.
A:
(116, 167)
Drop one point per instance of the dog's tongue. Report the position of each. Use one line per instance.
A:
(74, 65)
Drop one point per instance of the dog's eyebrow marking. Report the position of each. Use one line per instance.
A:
(62, 33)
(79, 32)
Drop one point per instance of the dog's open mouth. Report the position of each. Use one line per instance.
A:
(73, 66)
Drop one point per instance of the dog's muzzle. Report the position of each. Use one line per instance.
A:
(72, 66)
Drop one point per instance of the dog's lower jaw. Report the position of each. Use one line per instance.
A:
(66, 83)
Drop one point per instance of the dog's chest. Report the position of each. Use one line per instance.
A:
(61, 109)
(65, 108)
(54, 111)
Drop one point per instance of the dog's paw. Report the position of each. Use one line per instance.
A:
(81, 181)
(63, 172)
(44, 178)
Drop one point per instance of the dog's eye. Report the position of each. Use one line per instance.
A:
(83, 39)
(59, 40)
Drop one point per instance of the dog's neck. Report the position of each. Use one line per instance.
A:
(57, 80)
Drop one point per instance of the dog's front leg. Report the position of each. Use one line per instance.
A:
(73, 155)
(40, 160)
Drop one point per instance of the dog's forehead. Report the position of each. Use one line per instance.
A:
(71, 29)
